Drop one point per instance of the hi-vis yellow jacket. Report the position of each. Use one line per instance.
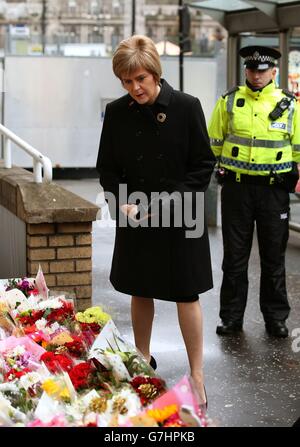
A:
(243, 137)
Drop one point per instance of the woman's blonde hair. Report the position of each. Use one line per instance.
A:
(134, 53)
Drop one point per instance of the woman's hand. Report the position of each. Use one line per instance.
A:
(129, 210)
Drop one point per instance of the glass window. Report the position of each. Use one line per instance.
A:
(294, 62)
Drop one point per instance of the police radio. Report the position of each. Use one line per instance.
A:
(280, 107)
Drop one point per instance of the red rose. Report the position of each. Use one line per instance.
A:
(15, 374)
(80, 375)
(31, 318)
(56, 362)
(61, 314)
(75, 347)
(137, 381)
(94, 327)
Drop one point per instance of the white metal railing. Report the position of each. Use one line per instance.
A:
(294, 226)
(39, 160)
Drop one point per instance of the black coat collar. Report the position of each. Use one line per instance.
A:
(165, 93)
(163, 98)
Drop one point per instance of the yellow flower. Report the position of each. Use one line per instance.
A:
(56, 389)
(161, 415)
(93, 315)
(44, 344)
(64, 394)
(50, 386)
(3, 307)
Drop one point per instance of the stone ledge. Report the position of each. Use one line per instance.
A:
(41, 203)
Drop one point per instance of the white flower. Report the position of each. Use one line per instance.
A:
(8, 414)
(74, 411)
(55, 326)
(9, 386)
(54, 303)
(30, 379)
(49, 330)
(41, 324)
(132, 403)
(30, 303)
(18, 350)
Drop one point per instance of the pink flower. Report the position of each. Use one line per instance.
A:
(56, 421)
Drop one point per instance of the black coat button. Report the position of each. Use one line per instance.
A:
(160, 156)
(138, 133)
(139, 157)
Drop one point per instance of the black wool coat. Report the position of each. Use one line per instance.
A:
(164, 147)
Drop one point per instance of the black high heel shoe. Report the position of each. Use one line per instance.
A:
(153, 363)
(206, 400)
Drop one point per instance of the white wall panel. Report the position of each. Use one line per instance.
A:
(56, 103)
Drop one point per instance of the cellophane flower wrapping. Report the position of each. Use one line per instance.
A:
(62, 368)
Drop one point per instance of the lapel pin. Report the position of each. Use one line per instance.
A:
(161, 117)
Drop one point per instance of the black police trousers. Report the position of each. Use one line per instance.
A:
(242, 206)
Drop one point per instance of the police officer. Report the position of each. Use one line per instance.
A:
(255, 135)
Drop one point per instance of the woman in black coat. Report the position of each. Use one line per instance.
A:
(154, 140)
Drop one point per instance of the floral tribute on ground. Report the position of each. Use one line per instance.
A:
(62, 368)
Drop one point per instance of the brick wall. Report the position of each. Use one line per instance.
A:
(64, 251)
(58, 232)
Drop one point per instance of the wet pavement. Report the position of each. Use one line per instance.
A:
(251, 379)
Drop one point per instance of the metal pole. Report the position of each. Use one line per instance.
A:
(43, 25)
(133, 13)
(2, 110)
(232, 61)
(180, 46)
(284, 60)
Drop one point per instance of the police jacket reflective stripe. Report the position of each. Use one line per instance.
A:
(245, 139)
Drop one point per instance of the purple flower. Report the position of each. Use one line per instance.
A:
(24, 284)
(23, 360)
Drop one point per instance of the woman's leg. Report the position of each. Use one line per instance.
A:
(142, 314)
(191, 325)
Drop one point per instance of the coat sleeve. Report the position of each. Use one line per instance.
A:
(217, 127)
(110, 174)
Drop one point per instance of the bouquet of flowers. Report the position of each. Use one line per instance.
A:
(59, 368)
(178, 407)
(26, 285)
(93, 318)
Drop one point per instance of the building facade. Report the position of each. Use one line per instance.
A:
(48, 26)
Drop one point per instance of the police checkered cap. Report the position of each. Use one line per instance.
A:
(259, 57)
